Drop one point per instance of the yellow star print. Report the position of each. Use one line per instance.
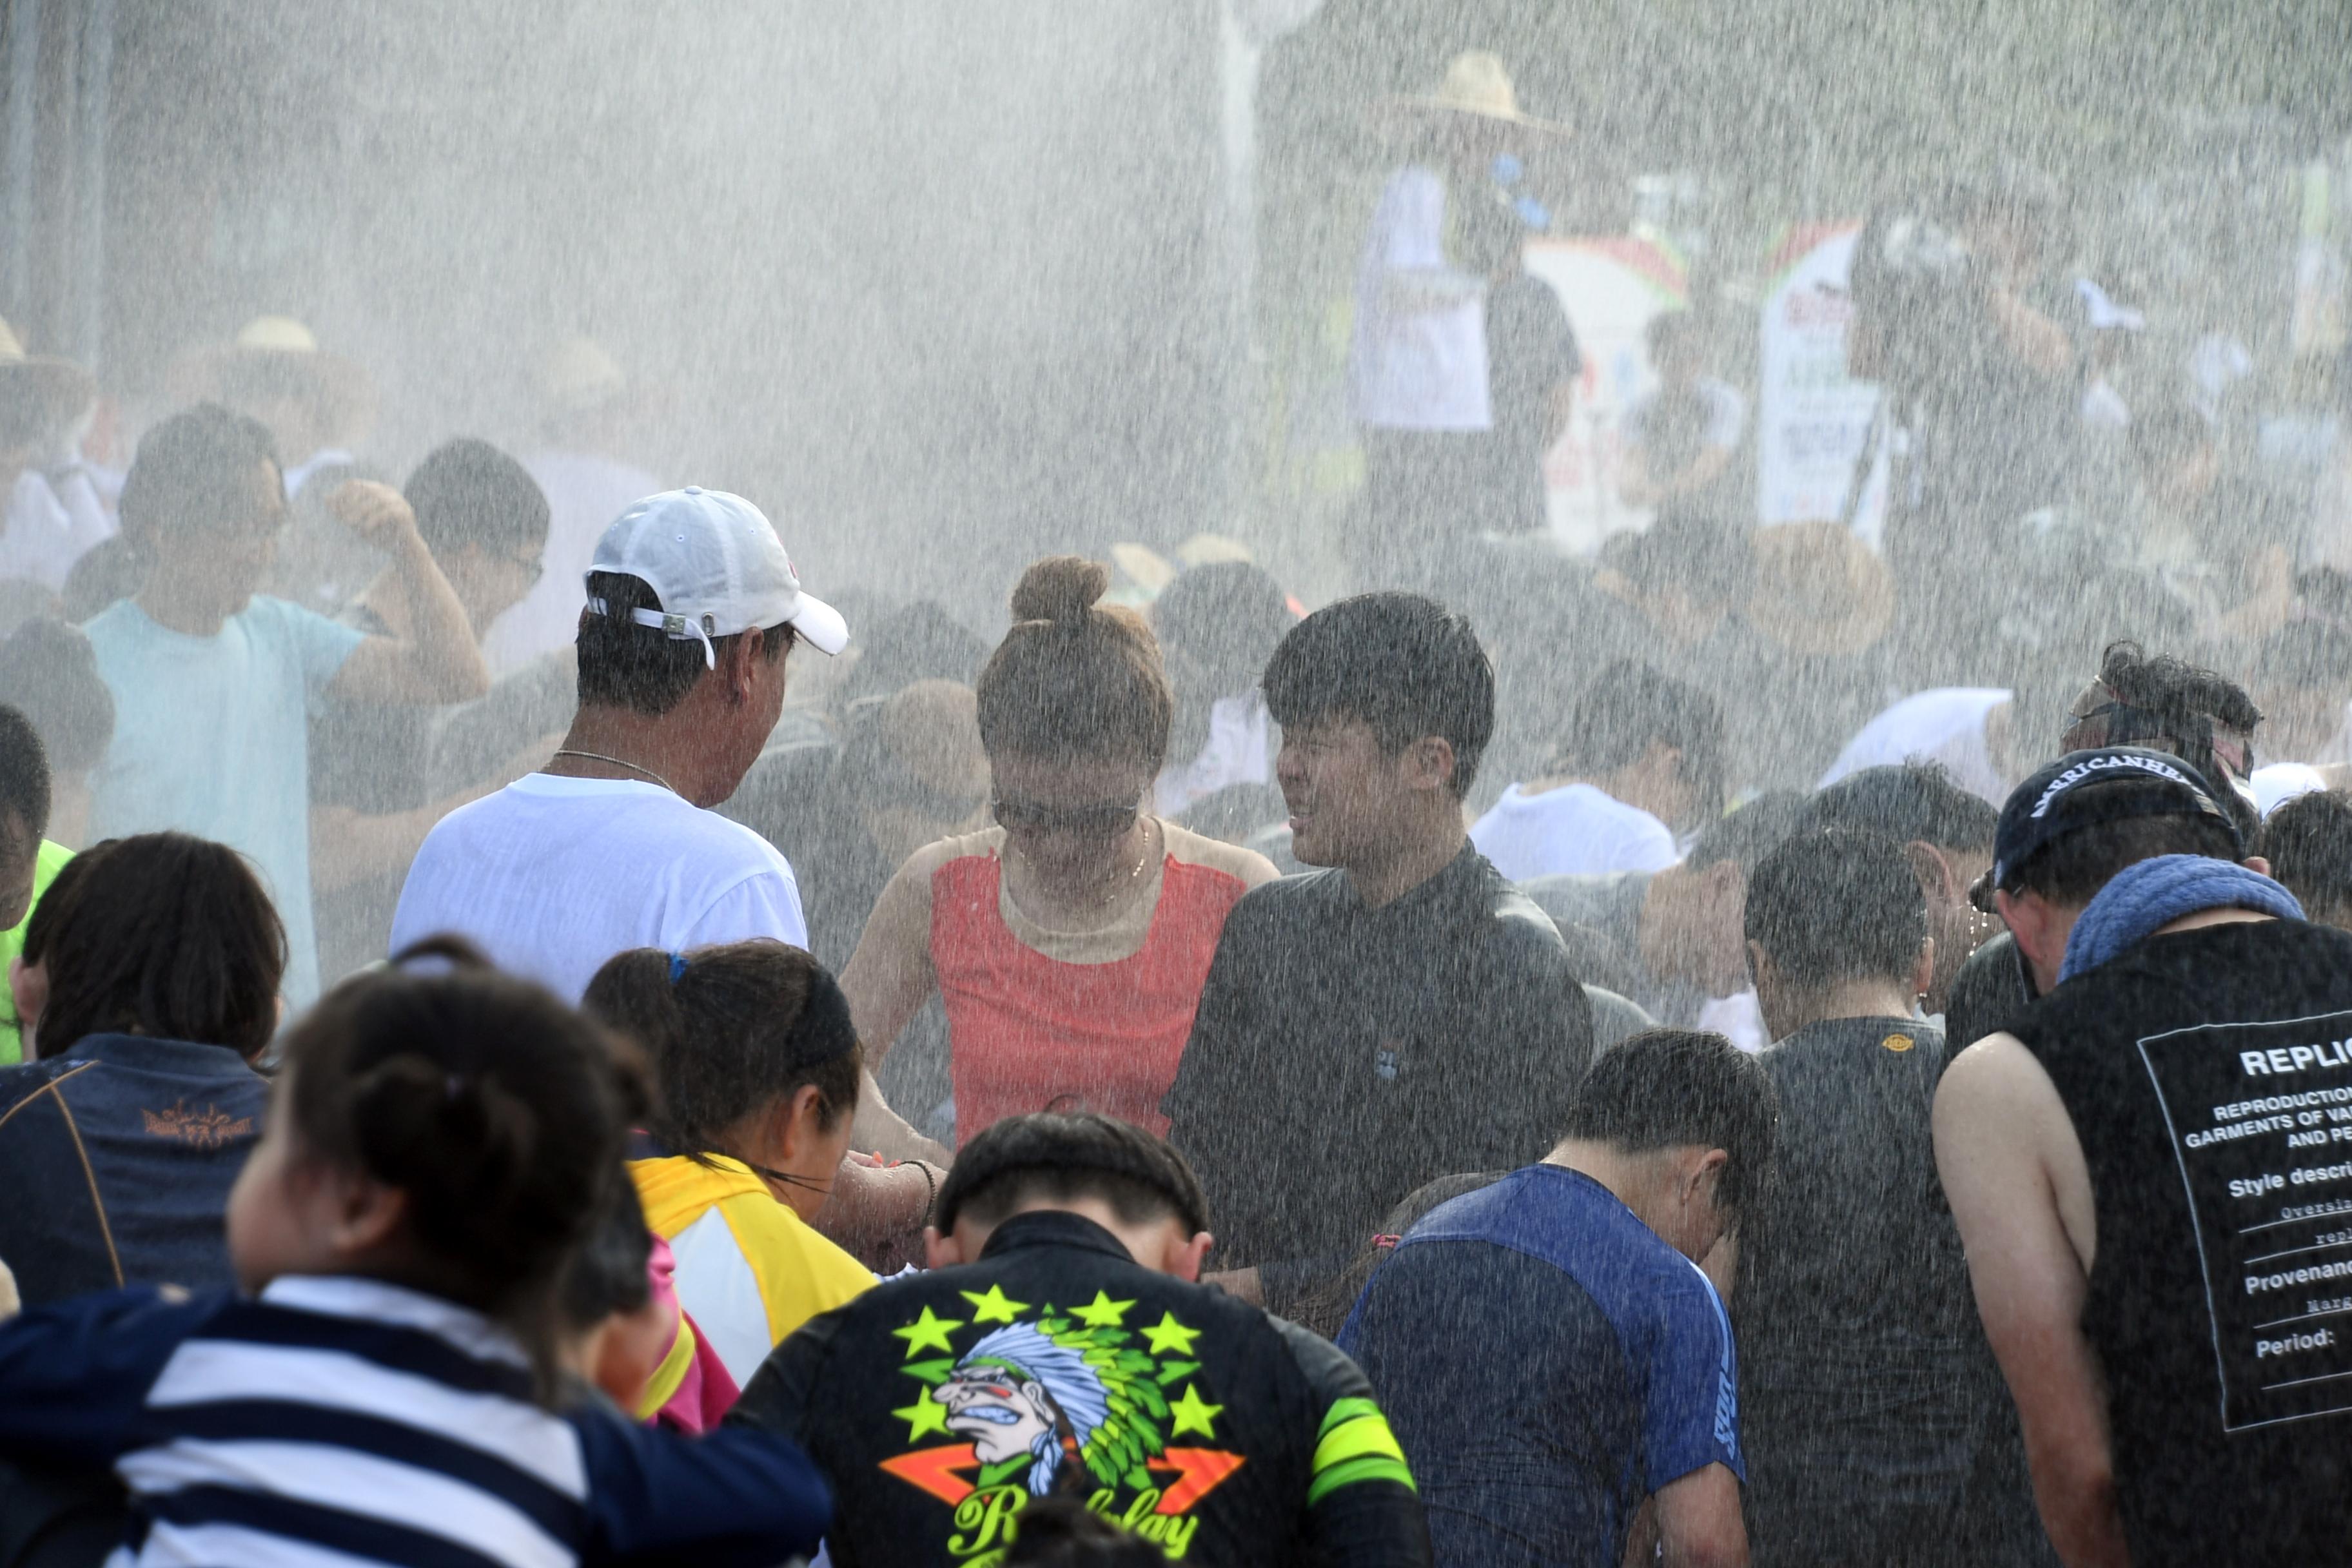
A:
(1169, 1337)
(1102, 1312)
(995, 1307)
(923, 1418)
(928, 1332)
(1194, 1414)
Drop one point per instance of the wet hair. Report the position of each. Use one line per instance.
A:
(1628, 705)
(918, 641)
(194, 472)
(2308, 842)
(1063, 1532)
(1748, 832)
(1056, 1157)
(644, 668)
(1683, 1089)
(607, 1275)
(1403, 664)
(1073, 680)
(2306, 654)
(164, 934)
(1707, 556)
(1912, 802)
(2167, 435)
(2174, 690)
(725, 1034)
(468, 493)
(496, 1110)
(23, 775)
(2069, 871)
(1837, 905)
(49, 672)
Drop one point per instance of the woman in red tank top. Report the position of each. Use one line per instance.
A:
(1068, 943)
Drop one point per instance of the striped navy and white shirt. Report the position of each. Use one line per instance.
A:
(338, 1421)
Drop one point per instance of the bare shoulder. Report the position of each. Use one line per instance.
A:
(1995, 1090)
(1250, 868)
(925, 863)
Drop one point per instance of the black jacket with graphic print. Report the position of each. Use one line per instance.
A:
(941, 1404)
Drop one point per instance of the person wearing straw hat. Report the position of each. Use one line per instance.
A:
(54, 513)
(1417, 364)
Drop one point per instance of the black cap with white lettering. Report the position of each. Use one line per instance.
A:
(2084, 789)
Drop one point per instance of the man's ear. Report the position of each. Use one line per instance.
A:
(1936, 881)
(941, 1251)
(1429, 762)
(1184, 1256)
(1700, 1176)
(2259, 865)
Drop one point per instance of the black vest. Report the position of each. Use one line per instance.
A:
(2209, 1078)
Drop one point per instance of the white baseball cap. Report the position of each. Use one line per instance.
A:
(716, 564)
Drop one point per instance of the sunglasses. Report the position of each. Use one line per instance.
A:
(1107, 820)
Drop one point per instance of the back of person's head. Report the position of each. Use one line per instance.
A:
(1628, 708)
(1051, 1158)
(1703, 555)
(49, 673)
(1835, 906)
(468, 493)
(2308, 842)
(2070, 871)
(730, 1030)
(162, 934)
(644, 668)
(912, 642)
(496, 1112)
(24, 782)
(1683, 1089)
(1912, 802)
(1218, 624)
(1063, 1532)
(195, 471)
(1401, 663)
(1749, 832)
(1074, 681)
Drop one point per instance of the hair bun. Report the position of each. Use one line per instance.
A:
(1060, 589)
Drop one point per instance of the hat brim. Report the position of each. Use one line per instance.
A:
(819, 624)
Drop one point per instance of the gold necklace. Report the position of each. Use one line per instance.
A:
(1120, 885)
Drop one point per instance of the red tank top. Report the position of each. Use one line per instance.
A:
(1028, 1032)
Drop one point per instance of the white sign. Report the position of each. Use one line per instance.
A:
(1811, 418)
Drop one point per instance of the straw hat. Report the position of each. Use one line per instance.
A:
(1477, 85)
(38, 392)
(1820, 592)
(288, 353)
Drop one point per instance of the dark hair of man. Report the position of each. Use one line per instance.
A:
(165, 935)
(1628, 705)
(2169, 435)
(1056, 1157)
(50, 673)
(722, 1035)
(1705, 555)
(1838, 905)
(2306, 654)
(468, 493)
(2071, 870)
(2175, 689)
(24, 776)
(2308, 842)
(496, 1110)
(644, 668)
(1404, 665)
(607, 1275)
(1683, 1089)
(1746, 834)
(194, 472)
(1074, 681)
(1063, 1532)
(1910, 801)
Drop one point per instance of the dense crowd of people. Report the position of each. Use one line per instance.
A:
(530, 1036)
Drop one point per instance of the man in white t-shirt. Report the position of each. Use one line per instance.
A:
(692, 607)
(1642, 758)
(1968, 728)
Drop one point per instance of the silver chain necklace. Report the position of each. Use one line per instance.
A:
(619, 762)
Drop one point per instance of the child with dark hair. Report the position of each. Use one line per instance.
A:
(437, 1155)
(1615, 1418)
(148, 985)
(2308, 842)
(1328, 1072)
(1060, 1346)
(758, 1070)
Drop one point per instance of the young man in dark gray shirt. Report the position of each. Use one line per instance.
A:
(1403, 1015)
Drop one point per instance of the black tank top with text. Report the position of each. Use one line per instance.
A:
(2209, 1076)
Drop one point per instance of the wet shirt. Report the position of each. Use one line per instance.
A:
(1860, 1351)
(1548, 1363)
(1573, 830)
(117, 1155)
(48, 861)
(1343, 1056)
(940, 1405)
(2208, 1074)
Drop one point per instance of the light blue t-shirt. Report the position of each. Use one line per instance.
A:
(212, 737)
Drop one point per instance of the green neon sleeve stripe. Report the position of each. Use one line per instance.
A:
(1353, 1441)
(1345, 1410)
(1370, 1468)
